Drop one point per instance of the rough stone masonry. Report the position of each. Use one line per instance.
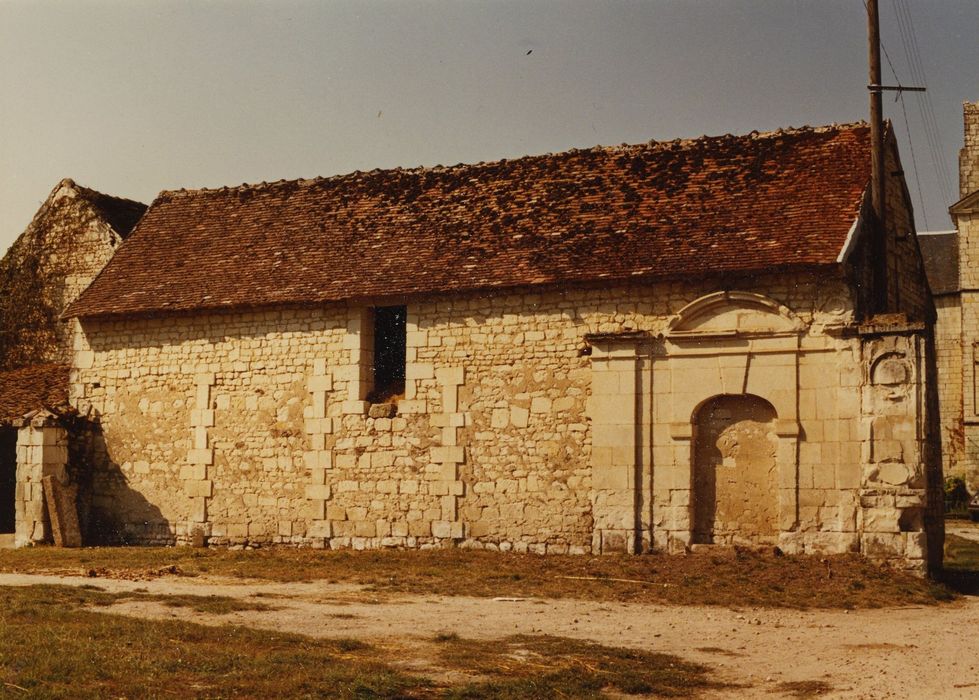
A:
(578, 376)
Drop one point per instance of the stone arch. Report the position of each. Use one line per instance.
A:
(735, 471)
(734, 313)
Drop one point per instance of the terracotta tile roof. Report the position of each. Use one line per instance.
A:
(32, 388)
(940, 252)
(698, 207)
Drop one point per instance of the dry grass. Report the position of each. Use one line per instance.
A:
(53, 646)
(744, 579)
(804, 689)
(525, 666)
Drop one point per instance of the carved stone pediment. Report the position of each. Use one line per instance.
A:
(738, 314)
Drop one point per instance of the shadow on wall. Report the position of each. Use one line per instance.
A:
(109, 511)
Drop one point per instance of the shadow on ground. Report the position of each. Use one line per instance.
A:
(961, 569)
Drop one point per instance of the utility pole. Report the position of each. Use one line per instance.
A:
(878, 177)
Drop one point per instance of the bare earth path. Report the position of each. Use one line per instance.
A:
(891, 653)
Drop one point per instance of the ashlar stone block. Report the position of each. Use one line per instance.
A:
(202, 488)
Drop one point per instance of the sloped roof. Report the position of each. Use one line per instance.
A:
(731, 203)
(32, 388)
(940, 253)
(120, 213)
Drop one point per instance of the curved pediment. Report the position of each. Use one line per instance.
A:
(734, 313)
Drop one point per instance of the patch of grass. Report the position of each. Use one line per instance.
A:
(717, 650)
(89, 595)
(961, 565)
(446, 637)
(804, 689)
(526, 666)
(53, 648)
(746, 578)
(213, 604)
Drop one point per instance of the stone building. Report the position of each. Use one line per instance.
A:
(952, 265)
(611, 349)
(71, 238)
(69, 241)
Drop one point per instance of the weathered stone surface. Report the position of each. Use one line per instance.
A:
(72, 237)
(507, 458)
(61, 501)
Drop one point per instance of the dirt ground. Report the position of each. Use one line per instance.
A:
(889, 653)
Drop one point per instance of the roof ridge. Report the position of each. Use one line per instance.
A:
(441, 168)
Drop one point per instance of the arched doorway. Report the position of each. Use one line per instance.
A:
(735, 471)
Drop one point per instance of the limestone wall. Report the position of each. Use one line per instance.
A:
(969, 154)
(67, 244)
(967, 224)
(907, 291)
(526, 424)
(948, 346)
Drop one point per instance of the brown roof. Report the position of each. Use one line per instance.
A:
(940, 252)
(32, 388)
(728, 203)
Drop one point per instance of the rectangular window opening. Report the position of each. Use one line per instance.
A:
(390, 341)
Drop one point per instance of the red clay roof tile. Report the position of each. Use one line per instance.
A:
(32, 388)
(730, 203)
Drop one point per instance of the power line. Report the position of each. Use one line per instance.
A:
(914, 162)
(925, 106)
(907, 127)
(914, 65)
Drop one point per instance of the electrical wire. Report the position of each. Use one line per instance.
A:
(914, 161)
(925, 106)
(907, 127)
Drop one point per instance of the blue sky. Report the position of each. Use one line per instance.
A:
(131, 97)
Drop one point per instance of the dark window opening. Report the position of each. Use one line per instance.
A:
(390, 336)
(8, 478)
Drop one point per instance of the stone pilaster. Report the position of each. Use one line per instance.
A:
(447, 458)
(616, 440)
(893, 495)
(319, 459)
(358, 341)
(195, 474)
(42, 450)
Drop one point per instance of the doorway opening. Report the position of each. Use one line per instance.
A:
(8, 479)
(735, 471)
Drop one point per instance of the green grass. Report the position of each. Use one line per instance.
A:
(744, 579)
(961, 566)
(53, 645)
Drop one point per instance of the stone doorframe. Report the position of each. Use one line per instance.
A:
(620, 411)
(726, 343)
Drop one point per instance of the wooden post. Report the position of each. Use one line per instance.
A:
(878, 175)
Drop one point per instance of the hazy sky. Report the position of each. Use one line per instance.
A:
(131, 97)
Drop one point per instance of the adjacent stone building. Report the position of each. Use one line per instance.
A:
(612, 349)
(952, 264)
(71, 238)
